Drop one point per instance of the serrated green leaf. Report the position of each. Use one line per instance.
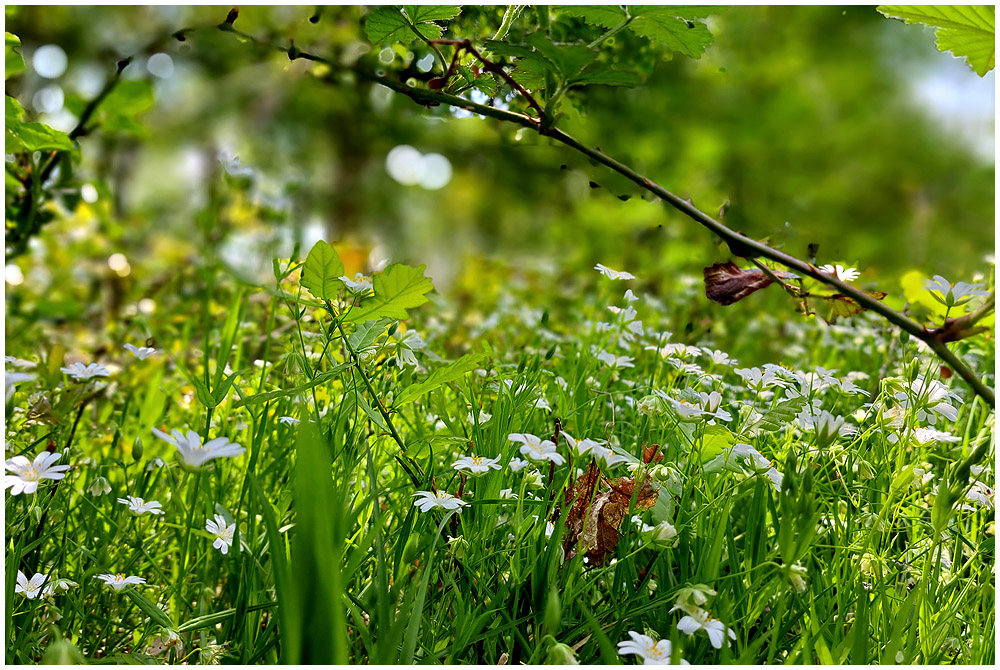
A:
(449, 373)
(666, 27)
(389, 24)
(397, 289)
(606, 16)
(598, 73)
(967, 31)
(322, 271)
(781, 414)
(12, 110)
(568, 60)
(421, 13)
(24, 136)
(13, 62)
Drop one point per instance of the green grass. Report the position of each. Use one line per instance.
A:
(335, 563)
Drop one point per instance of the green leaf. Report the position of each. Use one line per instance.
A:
(389, 24)
(13, 110)
(397, 289)
(321, 378)
(129, 98)
(599, 73)
(781, 414)
(316, 598)
(967, 31)
(151, 610)
(206, 621)
(222, 390)
(449, 373)
(24, 136)
(13, 62)
(669, 27)
(322, 271)
(606, 16)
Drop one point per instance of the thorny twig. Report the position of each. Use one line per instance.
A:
(739, 244)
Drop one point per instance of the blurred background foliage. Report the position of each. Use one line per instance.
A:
(818, 125)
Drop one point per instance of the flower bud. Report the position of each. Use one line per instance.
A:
(99, 487)
(137, 449)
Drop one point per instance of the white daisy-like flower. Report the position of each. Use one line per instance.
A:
(718, 357)
(698, 619)
(840, 272)
(613, 361)
(119, 581)
(140, 506)
(54, 586)
(428, 500)
(613, 274)
(759, 380)
(828, 427)
(142, 353)
(536, 448)
(652, 652)
(476, 465)
(223, 534)
(483, 417)
(196, 454)
(928, 435)
(594, 448)
(981, 494)
(710, 403)
(953, 294)
(27, 474)
(748, 453)
(80, 372)
(517, 464)
(30, 588)
(685, 411)
(630, 297)
(288, 420)
(359, 284)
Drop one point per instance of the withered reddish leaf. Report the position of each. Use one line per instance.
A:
(651, 453)
(842, 305)
(592, 525)
(725, 283)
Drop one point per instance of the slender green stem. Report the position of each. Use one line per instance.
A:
(621, 26)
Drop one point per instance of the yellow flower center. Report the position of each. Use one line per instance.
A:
(477, 460)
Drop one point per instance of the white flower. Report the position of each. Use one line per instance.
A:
(142, 353)
(140, 506)
(660, 535)
(718, 357)
(232, 165)
(536, 448)
(827, 426)
(710, 405)
(758, 380)
(930, 395)
(840, 272)
(594, 448)
(53, 587)
(428, 500)
(630, 297)
(516, 464)
(30, 588)
(359, 284)
(699, 619)
(748, 453)
(119, 581)
(483, 417)
(981, 494)
(288, 420)
(79, 371)
(99, 487)
(685, 410)
(952, 294)
(508, 494)
(649, 650)
(28, 473)
(928, 435)
(776, 478)
(196, 454)
(613, 274)
(615, 361)
(797, 575)
(476, 465)
(10, 379)
(223, 534)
